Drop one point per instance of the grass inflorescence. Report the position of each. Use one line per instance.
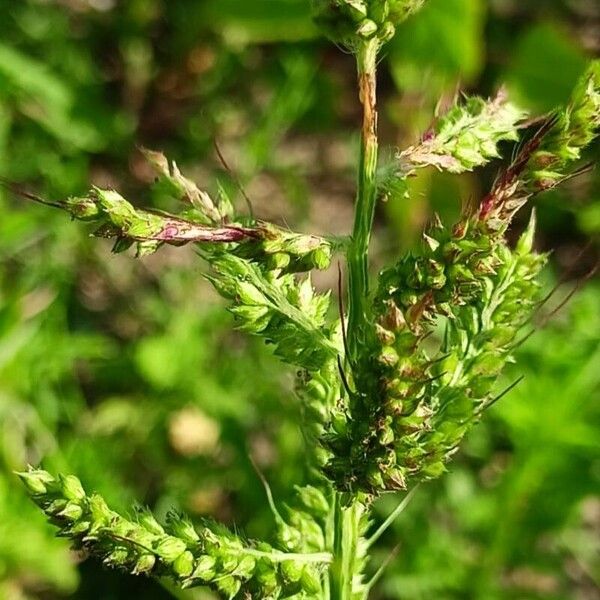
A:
(385, 406)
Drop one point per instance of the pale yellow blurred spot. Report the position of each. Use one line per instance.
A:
(192, 433)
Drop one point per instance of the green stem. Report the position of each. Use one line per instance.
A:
(310, 557)
(346, 569)
(345, 525)
(358, 284)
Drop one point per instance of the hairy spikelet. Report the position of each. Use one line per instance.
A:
(116, 218)
(574, 128)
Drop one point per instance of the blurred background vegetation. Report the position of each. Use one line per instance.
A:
(128, 372)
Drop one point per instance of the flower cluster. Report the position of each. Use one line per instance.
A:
(466, 137)
(210, 555)
(203, 208)
(573, 129)
(351, 21)
(288, 314)
(413, 405)
(544, 160)
(284, 251)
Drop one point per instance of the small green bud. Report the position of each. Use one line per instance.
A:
(229, 585)
(84, 209)
(388, 356)
(525, 243)
(182, 528)
(321, 257)
(36, 482)
(386, 436)
(292, 570)
(434, 470)
(245, 567)
(100, 512)
(289, 537)
(314, 500)
(359, 6)
(249, 294)
(79, 528)
(266, 574)
(206, 568)
(117, 558)
(310, 581)
(144, 564)
(56, 506)
(278, 260)
(367, 28)
(183, 565)
(312, 534)
(375, 478)
(146, 519)
(71, 512)
(121, 213)
(169, 548)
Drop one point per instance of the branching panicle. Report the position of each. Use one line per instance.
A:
(288, 314)
(385, 402)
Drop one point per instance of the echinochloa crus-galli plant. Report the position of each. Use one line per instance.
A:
(383, 410)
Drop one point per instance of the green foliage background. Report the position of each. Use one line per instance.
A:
(128, 372)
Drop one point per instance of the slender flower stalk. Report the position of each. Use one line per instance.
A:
(358, 266)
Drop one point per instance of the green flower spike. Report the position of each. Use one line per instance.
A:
(209, 555)
(467, 136)
(408, 420)
(386, 400)
(545, 161)
(464, 138)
